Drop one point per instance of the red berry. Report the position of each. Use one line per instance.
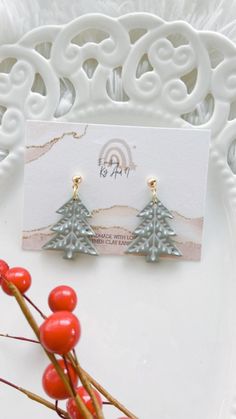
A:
(60, 332)
(62, 298)
(3, 269)
(20, 277)
(53, 384)
(72, 409)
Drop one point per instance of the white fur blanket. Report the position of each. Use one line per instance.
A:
(19, 16)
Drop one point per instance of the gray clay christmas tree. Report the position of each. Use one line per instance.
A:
(154, 234)
(73, 232)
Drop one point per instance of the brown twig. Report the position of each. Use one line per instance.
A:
(102, 390)
(61, 415)
(74, 361)
(2, 335)
(30, 319)
(35, 397)
(75, 356)
(85, 378)
(86, 383)
(111, 399)
(34, 306)
(68, 373)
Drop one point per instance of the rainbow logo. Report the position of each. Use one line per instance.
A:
(117, 151)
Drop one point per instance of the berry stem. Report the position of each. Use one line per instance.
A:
(87, 385)
(60, 414)
(68, 373)
(2, 335)
(8, 383)
(75, 356)
(31, 321)
(110, 398)
(101, 389)
(86, 379)
(34, 306)
(35, 397)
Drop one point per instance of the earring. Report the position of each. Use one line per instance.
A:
(153, 236)
(73, 231)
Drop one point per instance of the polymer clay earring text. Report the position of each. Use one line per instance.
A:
(73, 231)
(153, 235)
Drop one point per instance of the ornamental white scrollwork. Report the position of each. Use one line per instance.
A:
(117, 70)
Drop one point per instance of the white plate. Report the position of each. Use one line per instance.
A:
(161, 338)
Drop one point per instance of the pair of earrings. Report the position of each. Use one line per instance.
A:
(152, 236)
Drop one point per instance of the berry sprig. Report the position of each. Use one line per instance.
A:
(64, 378)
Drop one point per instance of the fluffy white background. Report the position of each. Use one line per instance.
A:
(19, 16)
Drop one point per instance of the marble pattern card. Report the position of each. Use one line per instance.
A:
(115, 162)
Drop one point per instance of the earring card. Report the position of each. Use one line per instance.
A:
(115, 163)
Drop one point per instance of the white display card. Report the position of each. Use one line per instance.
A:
(115, 163)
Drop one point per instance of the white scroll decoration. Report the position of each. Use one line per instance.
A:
(136, 69)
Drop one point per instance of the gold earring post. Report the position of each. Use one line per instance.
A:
(152, 184)
(76, 182)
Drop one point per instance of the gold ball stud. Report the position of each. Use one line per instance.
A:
(77, 180)
(152, 183)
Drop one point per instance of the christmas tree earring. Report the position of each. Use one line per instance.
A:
(73, 231)
(153, 235)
